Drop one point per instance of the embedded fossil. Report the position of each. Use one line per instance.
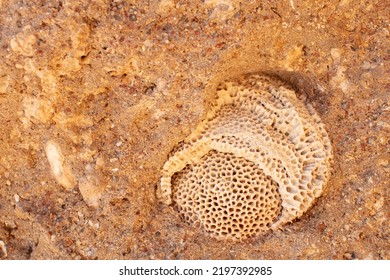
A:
(257, 161)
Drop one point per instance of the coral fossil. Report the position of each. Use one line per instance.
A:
(257, 161)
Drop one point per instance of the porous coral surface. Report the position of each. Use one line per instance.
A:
(95, 94)
(229, 196)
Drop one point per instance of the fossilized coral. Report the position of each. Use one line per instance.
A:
(257, 161)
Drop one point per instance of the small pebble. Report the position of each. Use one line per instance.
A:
(350, 256)
(3, 248)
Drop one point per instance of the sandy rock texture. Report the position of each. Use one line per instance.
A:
(95, 94)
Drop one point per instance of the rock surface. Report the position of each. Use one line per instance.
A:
(113, 86)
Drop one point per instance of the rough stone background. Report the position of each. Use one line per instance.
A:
(113, 85)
